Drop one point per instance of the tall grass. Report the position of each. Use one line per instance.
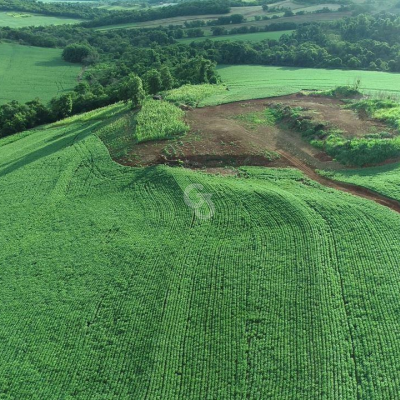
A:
(159, 120)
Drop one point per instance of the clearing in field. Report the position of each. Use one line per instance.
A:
(257, 81)
(28, 72)
(118, 289)
(15, 19)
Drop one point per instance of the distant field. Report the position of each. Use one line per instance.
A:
(252, 81)
(29, 72)
(249, 37)
(16, 19)
(299, 19)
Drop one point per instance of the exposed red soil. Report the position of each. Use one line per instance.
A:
(219, 139)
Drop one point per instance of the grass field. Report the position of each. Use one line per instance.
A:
(112, 287)
(252, 81)
(248, 37)
(15, 19)
(384, 179)
(28, 72)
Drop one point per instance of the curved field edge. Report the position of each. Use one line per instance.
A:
(111, 287)
(384, 179)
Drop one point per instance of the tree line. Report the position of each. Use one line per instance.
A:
(152, 14)
(154, 56)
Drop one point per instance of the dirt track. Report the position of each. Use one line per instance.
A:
(218, 138)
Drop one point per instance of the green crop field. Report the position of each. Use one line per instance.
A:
(248, 37)
(384, 179)
(256, 81)
(114, 286)
(15, 19)
(28, 72)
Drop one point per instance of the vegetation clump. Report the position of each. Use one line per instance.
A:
(192, 95)
(159, 120)
(358, 151)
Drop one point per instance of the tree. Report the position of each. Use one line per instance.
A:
(131, 89)
(78, 53)
(153, 81)
(61, 107)
(237, 18)
(166, 78)
(218, 31)
(138, 93)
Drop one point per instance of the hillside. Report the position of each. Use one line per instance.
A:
(199, 200)
(118, 290)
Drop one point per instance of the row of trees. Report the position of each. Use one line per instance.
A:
(151, 14)
(65, 9)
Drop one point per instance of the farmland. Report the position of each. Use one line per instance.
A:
(298, 19)
(20, 20)
(251, 82)
(114, 273)
(24, 73)
(384, 179)
(177, 224)
(248, 37)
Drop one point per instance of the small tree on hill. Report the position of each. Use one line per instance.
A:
(166, 78)
(131, 89)
(153, 81)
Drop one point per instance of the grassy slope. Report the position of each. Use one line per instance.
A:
(248, 37)
(112, 288)
(14, 19)
(256, 81)
(384, 179)
(28, 72)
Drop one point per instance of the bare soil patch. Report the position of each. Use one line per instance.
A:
(219, 141)
(219, 137)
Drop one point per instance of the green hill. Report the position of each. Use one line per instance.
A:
(112, 287)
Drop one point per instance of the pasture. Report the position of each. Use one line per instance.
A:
(248, 37)
(256, 81)
(28, 72)
(118, 289)
(15, 19)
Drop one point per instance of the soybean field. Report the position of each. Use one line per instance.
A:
(256, 81)
(15, 19)
(133, 283)
(384, 179)
(28, 72)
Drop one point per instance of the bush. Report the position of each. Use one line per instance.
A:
(78, 53)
